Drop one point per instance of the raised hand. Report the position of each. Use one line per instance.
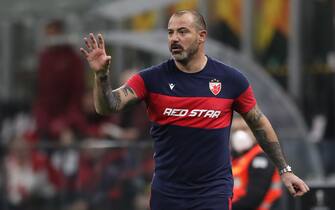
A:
(96, 54)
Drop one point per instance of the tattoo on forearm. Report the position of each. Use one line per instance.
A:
(253, 117)
(114, 100)
(272, 149)
(113, 97)
(127, 89)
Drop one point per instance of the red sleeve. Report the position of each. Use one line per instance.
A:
(136, 83)
(245, 102)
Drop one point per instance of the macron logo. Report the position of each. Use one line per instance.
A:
(172, 85)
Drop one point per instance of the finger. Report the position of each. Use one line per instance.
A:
(300, 188)
(101, 42)
(88, 44)
(85, 53)
(291, 189)
(300, 193)
(306, 186)
(108, 60)
(93, 41)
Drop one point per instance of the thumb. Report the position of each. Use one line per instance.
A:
(108, 61)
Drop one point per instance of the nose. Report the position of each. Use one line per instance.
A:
(174, 37)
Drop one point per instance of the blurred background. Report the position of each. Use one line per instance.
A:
(56, 153)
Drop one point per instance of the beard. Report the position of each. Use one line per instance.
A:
(182, 55)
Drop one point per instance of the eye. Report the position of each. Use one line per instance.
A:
(182, 31)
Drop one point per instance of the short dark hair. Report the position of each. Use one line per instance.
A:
(199, 20)
(56, 24)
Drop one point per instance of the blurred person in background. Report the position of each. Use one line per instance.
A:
(31, 181)
(60, 86)
(104, 180)
(58, 106)
(257, 184)
(192, 168)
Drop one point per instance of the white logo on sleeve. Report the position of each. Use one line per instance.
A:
(172, 85)
(260, 162)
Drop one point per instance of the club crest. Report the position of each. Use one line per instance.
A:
(215, 86)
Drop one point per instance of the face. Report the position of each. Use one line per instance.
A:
(242, 138)
(53, 30)
(184, 38)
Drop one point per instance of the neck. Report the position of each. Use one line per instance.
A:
(196, 64)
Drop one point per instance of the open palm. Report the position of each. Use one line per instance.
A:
(96, 53)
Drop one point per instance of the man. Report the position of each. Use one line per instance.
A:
(257, 184)
(60, 86)
(190, 100)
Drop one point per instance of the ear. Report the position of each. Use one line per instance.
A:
(202, 36)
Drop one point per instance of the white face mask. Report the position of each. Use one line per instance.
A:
(241, 141)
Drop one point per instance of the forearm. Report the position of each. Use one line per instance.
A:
(265, 136)
(105, 99)
(268, 140)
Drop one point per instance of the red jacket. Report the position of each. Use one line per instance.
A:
(60, 88)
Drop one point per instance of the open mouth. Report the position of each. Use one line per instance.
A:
(175, 48)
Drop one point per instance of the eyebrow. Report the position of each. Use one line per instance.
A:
(178, 29)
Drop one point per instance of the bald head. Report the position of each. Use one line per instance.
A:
(199, 20)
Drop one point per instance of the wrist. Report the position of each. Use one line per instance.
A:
(101, 74)
(286, 169)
